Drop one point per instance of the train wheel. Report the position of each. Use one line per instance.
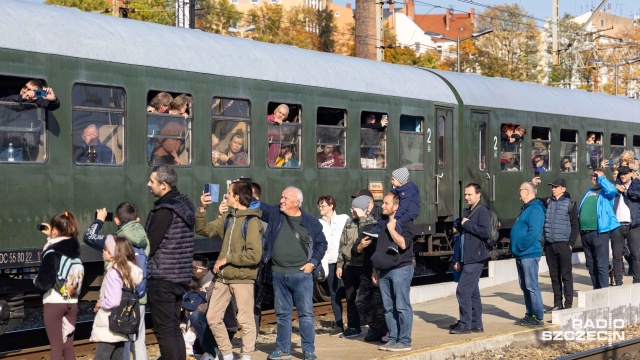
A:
(321, 292)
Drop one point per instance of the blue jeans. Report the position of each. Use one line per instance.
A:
(290, 289)
(394, 288)
(205, 337)
(528, 278)
(596, 256)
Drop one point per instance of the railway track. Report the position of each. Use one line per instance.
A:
(627, 350)
(28, 343)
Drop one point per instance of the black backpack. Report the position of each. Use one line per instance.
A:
(125, 318)
(491, 242)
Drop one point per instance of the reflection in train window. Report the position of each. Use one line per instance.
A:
(284, 131)
(594, 150)
(482, 143)
(540, 149)
(230, 130)
(22, 123)
(636, 147)
(411, 142)
(568, 150)
(618, 144)
(512, 136)
(331, 136)
(169, 128)
(373, 140)
(98, 121)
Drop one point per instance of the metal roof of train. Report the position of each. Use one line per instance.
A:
(71, 32)
(476, 90)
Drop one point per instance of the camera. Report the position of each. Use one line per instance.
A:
(610, 163)
(108, 218)
(41, 227)
(39, 94)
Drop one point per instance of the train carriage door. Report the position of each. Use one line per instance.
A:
(481, 149)
(445, 187)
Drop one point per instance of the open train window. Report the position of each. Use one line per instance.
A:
(98, 120)
(540, 149)
(230, 130)
(22, 120)
(373, 140)
(331, 136)
(568, 150)
(284, 131)
(636, 147)
(482, 143)
(169, 124)
(594, 150)
(618, 145)
(511, 138)
(411, 142)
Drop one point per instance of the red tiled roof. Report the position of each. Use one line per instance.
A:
(459, 24)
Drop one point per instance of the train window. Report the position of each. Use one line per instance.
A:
(636, 147)
(618, 144)
(440, 138)
(373, 140)
(22, 123)
(511, 139)
(411, 142)
(331, 135)
(594, 150)
(98, 120)
(169, 128)
(568, 150)
(230, 130)
(540, 149)
(284, 130)
(482, 143)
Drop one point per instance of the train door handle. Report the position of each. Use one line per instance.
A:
(438, 177)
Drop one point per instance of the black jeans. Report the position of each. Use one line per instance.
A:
(632, 237)
(559, 261)
(108, 351)
(335, 290)
(351, 278)
(468, 295)
(370, 307)
(596, 254)
(165, 301)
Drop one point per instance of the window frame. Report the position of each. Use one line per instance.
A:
(575, 155)
(299, 132)
(597, 133)
(247, 148)
(384, 138)
(548, 147)
(343, 137)
(420, 134)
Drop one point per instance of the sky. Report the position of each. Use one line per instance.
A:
(537, 8)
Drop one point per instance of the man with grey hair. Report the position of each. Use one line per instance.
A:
(526, 247)
(294, 246)
(92, 150)
(170, 231)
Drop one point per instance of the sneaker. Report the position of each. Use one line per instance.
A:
(309, 355)
(372, 336)
(335, 331)
(534, 321)
(207, 356)
(228, 357)
(351, 333)
(453, 326)
(385, 338)
(459, 330)
(477, 329)
(279, 355)
(386, 346)
(522, 321)
(399, 347)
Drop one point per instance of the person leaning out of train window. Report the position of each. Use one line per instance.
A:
(30, 94)
(160, 103)
(181, 105)
(328, 157)
(59, 311)
(274, 135)
(235, 154)
(597, 222)
(92, 150)
(286, 158)
(166, 148)
(537, 163)
(371, 122)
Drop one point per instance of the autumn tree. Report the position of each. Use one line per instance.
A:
(219, 16)
(405, 55)
(84, 5)
(468, 55)
(155, 11)
(511, 51)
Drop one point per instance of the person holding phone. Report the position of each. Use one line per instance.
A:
(34, 92)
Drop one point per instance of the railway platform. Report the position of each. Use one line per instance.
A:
(503, 303)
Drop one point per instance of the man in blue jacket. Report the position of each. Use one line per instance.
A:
(597, 222)
(475, 230)
(626, 206)
(526, 247)
(295, 245)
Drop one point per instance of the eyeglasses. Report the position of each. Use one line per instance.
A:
(322, 206)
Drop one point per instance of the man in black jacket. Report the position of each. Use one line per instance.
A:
(628, 213)
(475, 230)
(170, 231)
(393, 273)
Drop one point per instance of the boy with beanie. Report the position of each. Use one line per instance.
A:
(409, 207)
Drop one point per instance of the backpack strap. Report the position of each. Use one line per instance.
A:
(245, 222)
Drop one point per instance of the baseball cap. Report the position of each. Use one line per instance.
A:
(558, 182)
(362, 192)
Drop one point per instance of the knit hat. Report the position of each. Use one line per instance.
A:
(402, 175)
(110, 244)
(361, 202)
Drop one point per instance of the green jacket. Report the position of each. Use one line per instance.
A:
(350, 234)
(243, 255)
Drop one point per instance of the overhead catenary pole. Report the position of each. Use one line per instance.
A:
(379, 32)
(554, 32)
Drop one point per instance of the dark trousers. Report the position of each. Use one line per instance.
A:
(108, 351)
(632, 237)
(468, 295)
(559, 261)
(335, 290)
(351, 278)
(53, 314)
(165, 301)
(596, 254)
(370, 306)
(203, 332)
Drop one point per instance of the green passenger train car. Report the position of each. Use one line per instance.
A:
(99, 147)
